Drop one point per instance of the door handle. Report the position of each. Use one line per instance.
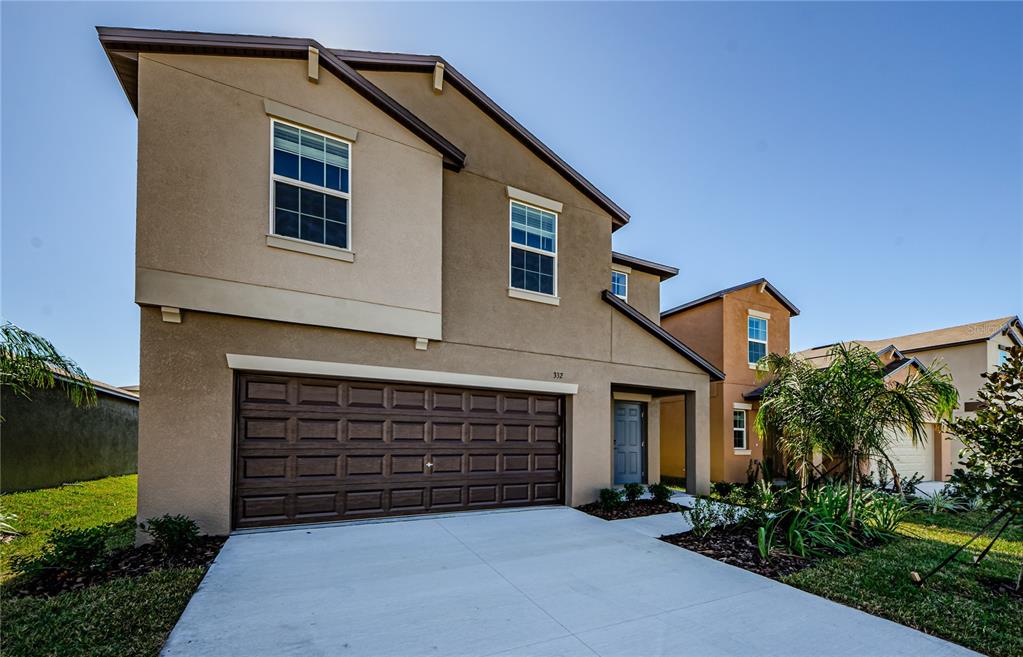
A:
(429, 464)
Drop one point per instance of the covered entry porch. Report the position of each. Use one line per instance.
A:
(649, 431)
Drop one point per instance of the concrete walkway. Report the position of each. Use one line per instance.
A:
(544, 582)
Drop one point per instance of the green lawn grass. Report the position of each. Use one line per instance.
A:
(86, 504)
(124, 617)
(953, 604)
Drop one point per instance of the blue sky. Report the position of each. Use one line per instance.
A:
(865, 158)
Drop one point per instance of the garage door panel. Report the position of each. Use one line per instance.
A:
(316, 450)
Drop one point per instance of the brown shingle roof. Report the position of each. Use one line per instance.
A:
(943, 337)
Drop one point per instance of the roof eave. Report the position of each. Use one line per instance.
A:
(664, 272)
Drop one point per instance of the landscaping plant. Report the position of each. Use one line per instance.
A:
(703, 516)
(659, 493)
(77, 551)
(175, 536)
(633, 491)
(610, 498)
(848, 409)
(939, 501)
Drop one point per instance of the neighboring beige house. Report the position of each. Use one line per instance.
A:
(967, 351)
(366, 290)
(733, 328)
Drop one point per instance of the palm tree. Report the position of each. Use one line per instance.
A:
(849, 409)
(29, 361)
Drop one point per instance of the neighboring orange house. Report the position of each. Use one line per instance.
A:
(732, 328)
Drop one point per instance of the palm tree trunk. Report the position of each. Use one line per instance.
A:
(895, 474)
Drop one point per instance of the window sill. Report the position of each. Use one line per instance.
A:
(742, 452)
(752, 366)
(526, 295)
(322, 250)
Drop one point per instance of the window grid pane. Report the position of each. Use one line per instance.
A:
(309, 215)
(533, 227)
(532, 271)
(620, 284)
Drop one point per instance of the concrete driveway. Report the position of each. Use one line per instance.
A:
(547, 581)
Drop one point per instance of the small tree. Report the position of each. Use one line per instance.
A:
(993, 452)
(29, 361)
(993, 439)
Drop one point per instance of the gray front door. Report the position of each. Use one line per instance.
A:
(630, 442)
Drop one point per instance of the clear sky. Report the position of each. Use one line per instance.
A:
(866, 158)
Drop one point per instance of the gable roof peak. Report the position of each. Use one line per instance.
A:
(767, 287)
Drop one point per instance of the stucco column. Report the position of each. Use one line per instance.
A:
(698, 441)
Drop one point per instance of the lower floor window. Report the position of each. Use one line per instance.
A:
(532, 271)
(310, 215)
(739, 429)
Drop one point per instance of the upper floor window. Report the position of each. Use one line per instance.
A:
(620, 285)
(534, 244)
(311, 193)
(757, 334)
(739, 430)
(1003, 357)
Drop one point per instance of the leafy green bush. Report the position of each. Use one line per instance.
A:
(175, 536)
(721, 489)
(73, 550)
(633, 491)
(610, 498)
(659, 493)
(703, 516)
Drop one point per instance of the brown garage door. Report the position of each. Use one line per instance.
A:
(317, 450)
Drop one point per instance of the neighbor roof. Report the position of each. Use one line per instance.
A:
(667, 338)
(664, 272)
(122, 46)
(821, 354)
(944, 337)
(721, 293)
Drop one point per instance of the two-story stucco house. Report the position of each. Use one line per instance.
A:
(366, 290)
(733, 328)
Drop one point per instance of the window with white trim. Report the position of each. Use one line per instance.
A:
(310, 188)
(756, 331)
(739, 430)
(620, 285)
(534, 245)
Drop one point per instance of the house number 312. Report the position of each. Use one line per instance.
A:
(559, 375)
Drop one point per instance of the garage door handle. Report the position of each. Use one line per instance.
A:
(429, 464)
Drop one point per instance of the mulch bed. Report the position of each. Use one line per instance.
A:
(737, 546)
(625, 510)
(129, 562)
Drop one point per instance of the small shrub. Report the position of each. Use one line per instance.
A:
(721, 489)
(659, 493)
(633, 491)
(73, 550)
(703, 516)
(883, 515)
(940, 501)
(909, 484)
(175, 536)
(729, 514)
(610, 498)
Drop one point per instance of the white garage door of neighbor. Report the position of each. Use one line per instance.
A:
(909, 458)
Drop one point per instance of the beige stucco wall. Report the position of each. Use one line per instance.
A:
(203, 201)
(185, 419)
(644, 293)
